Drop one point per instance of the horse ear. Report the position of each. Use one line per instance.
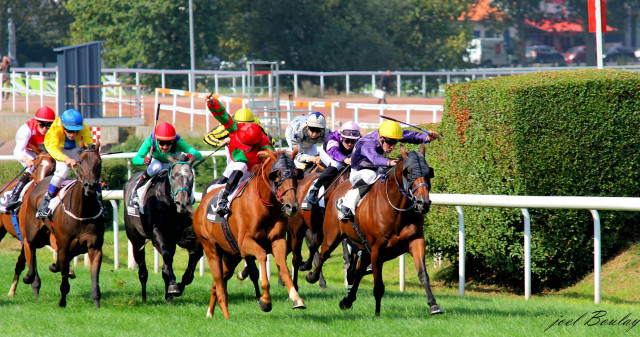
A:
(263, 155)
(430, 174)
(403, 152)
(82, 143)
(299, 174)
(97, 143)
(171, 159)
(274, 175)
(294, 153)
(423, 149)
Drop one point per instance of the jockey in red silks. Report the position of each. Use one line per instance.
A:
(30, 133)
(245, 141)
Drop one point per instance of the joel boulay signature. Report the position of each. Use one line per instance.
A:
(595, 319)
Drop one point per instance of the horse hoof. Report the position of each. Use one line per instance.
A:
(303, 266)
(173, 289)
(240, 276)
(266, 307)
(62, 303)
(298, 304)
(72, 274)
(54, 268)
(310, 279)
(344, 304)
(435, 309)
(28, 279)
(97, 304)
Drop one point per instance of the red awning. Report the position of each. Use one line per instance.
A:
(562, 26)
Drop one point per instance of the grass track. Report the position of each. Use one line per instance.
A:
(403, 314)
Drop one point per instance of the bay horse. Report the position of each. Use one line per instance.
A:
(44, 166)
(257, 226)
(388, 222)
(77, 223)
(166, 220)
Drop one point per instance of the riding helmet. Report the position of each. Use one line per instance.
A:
(165, 131)
(72, 120)
(390, 129)
(45, 114)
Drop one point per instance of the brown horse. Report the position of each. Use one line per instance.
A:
(257, 226)
(77, 224)
(44, 166)
(389, 222)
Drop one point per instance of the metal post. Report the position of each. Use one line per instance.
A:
(347, 85)
(527, 253)
(461, 249)
(116, 239)
(596, 253)
(401, 273)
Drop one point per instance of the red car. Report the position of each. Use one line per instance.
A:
(575, 55)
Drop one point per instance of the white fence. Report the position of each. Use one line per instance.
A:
(592, 204)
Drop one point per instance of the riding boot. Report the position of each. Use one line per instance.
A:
(324, 180)
(43, 210)
(223, 202)
(134, 194)
(362, 187)
(15, 195)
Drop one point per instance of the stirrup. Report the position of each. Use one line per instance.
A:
(347, 212)
(223, 207)
(312, 196)
(42, 214)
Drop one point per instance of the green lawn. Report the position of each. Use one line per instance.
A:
(491, 313)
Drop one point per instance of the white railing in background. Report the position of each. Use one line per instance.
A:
(592, 204)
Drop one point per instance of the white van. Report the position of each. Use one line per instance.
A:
(488, 52)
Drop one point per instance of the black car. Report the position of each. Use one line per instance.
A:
(544, 54)
(619, 55)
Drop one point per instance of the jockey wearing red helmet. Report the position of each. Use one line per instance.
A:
(164, 141)
(32, 134)
(245, 141)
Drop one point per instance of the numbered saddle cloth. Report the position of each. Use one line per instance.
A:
(212, 207)
(307, 206)
(4, 198)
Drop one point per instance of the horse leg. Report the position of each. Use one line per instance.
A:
(218, 291)
(254, 275)
(95, 255)
(313, 245)
(279, 248)
(250, 247)
(417, 248)
(378, 284)
(20, 264)
(54, 268)
(30, 256)
(329, 243)
(360, 271)
(194, 256)
(167, 250)
(64, 285)
(143, 273)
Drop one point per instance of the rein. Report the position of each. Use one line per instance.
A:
(401, 189)
(69, 213)
(175, 193)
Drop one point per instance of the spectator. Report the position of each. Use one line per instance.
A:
(385, 85)
(5, 68)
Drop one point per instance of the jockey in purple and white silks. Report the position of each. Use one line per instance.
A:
(335, 154)
(305, 132)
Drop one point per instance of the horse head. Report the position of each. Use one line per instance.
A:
(283, 179)
(89, 168)
(44, 163)
(181, 179)
(416, 178)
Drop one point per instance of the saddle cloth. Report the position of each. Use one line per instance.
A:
(142, 191)
(4, 198)
(307, 206)
(212, 207)
(55, 201)
(348, 199)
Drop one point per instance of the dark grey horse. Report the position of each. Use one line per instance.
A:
(166, 220)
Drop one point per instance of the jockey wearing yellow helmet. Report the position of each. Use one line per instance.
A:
(370, 154)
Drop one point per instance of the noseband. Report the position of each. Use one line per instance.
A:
(402, 189)
(188, 188)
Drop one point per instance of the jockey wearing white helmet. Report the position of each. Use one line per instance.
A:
(305, 132)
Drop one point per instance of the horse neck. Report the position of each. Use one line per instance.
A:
(391, 187)
(80, 204)
(262, 182)
(42, 163)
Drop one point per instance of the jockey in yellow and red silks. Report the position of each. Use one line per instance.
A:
(245, 141)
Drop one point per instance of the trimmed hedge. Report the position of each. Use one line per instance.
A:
(564, 133)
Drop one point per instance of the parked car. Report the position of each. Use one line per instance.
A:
(619, 55)
(544, 54)
(575, 55)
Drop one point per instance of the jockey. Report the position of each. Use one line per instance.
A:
(335, 154)
(305, 132)
(30, 133)
(245, 141)
(165, 142)
(62, 141)
(370, 155)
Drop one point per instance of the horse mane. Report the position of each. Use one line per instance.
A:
(181, 157)
(263, 156)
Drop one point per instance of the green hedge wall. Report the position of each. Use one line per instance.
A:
(564, 133)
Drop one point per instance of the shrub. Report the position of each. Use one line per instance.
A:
(564, 133)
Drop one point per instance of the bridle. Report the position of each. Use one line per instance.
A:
(401, 188)
(273, 187)
(79, 179)
(187, 186)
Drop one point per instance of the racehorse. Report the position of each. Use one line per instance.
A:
(257, 226)
(166, 220)
(77, 223)
(389, 222)
(44, 166)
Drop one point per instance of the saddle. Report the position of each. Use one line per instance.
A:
(213, 203)
(4, 198)
(142, 191)
(320, 205)
(55, 201)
